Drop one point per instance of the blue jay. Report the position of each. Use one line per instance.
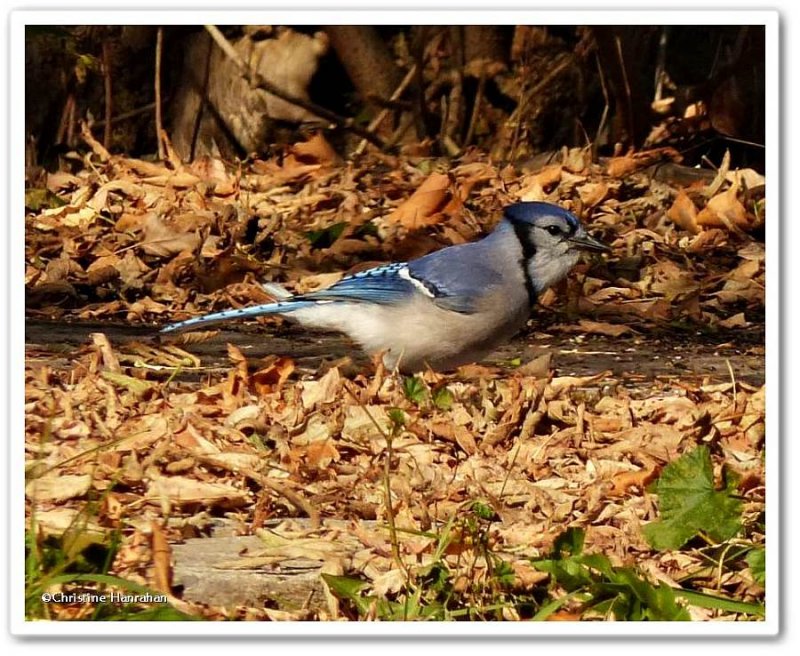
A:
(448, 308)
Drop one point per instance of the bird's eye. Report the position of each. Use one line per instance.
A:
(553, 230)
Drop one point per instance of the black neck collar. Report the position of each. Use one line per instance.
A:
(523, 234)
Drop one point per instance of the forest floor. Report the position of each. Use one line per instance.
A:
(606, 464)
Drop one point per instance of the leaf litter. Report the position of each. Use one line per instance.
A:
(148, 242)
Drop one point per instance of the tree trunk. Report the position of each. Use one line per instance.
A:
(486, 42)
(366, 59)
(627, 58)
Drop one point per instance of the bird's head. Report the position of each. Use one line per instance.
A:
(552, 240)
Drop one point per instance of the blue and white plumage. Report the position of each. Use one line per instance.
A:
(445, 309)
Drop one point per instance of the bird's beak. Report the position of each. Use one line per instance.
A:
(585, 242)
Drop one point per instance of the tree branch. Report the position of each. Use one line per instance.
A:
(157, 81)
(385, 112)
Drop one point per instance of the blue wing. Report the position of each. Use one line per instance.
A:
(457, 276)
(395, 283)
(454, 278)
(382, 285)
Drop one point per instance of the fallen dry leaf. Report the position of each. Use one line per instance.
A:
(619, 167)
(162, 567)
(537, 368)
(593, 193)
(181, 490)
(273, 376)
(735, 321)
(683, 213)
(623, 482)
(57, 521)
(159, 239)
(423, 207)
(320, 392)
(56, 487)
(316, 149)
(535, 187)
(724, 210)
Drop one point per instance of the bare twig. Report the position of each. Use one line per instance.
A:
(281, 488)
(95, 145)
(733, 379)
(604, 116)
(454, 116)
(661, 64)
(385, 112)
(258, 81)
(292, 497)
(628, 94)
(108, 95)
(516, 117)
(391, 105)
(157, 81)
(476, 108)
(418, 93)
(527, 95)
(66, 126)
(387, 484)
(387, 494)
(205, 105)
(144, 109)
(405, 124)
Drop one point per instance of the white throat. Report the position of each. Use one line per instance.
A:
(547, 268)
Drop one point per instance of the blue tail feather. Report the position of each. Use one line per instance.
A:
(281, 307)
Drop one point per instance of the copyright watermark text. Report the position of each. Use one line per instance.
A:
(102, 598)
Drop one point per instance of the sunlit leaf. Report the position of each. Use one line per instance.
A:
(689, 503)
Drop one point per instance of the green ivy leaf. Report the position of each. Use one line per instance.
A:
(325, 237)
(344, 587)
(39, 199)
(414, 389)
(756, 559)
(397, 417)
(689, 503)
(443, 398)
(483, 511)
(569, 542)
(569, 573)
(349, 588)
(504, 573)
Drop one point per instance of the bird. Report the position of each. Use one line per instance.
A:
(445, 309)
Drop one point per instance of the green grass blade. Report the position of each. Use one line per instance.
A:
(720, 603)
(551, 607)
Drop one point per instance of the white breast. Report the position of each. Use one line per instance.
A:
(420, 333)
